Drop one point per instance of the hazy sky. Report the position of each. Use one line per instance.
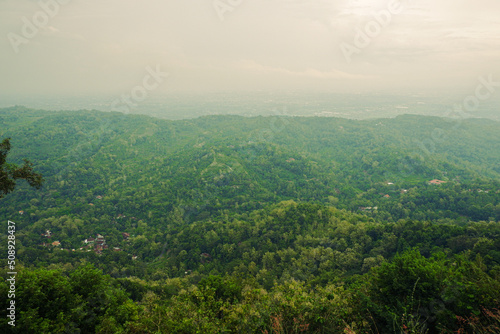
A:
(105, 46)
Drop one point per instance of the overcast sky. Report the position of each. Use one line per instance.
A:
(104, 46)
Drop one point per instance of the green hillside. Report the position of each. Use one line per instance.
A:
(250, 225)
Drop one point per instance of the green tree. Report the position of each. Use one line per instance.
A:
(44, 303)
(9, 173)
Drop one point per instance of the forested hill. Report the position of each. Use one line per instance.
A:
(147, 167)
(263, 224)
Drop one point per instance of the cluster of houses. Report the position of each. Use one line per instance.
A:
(48, 234)
(97, 244)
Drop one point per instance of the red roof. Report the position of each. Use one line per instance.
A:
(436, 181)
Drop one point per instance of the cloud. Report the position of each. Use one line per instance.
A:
(105, 45)
(254, 67)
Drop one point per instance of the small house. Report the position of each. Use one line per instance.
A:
(436, 181)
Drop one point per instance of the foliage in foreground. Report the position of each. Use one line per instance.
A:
(410, 294)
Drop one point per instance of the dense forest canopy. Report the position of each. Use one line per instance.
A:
(261, 224)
